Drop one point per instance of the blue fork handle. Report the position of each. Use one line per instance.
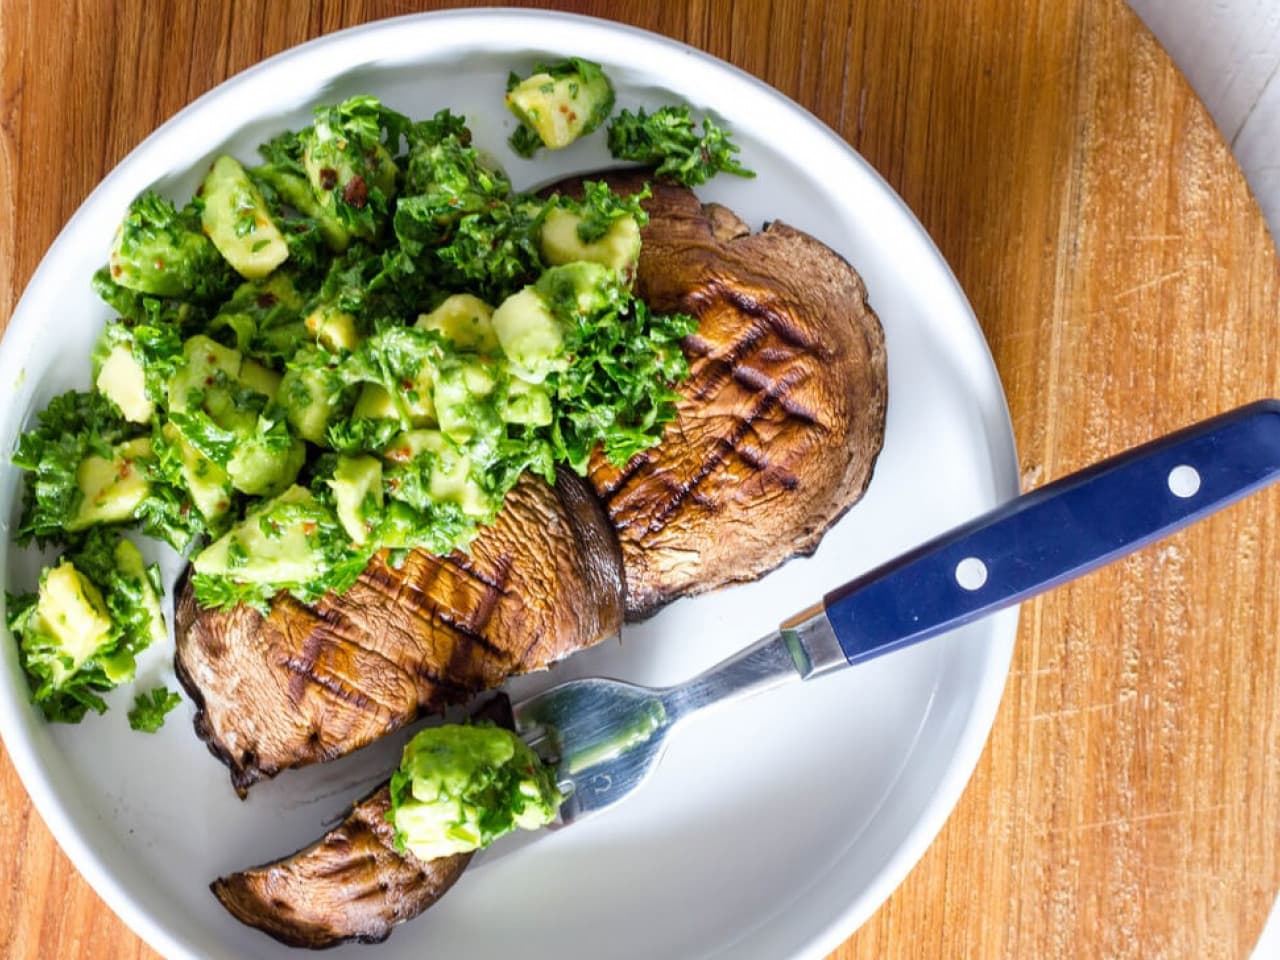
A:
(1057, 533)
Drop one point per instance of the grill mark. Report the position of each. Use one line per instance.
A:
(710, 378)
(779, 321)
(307, 672)
(723, 448)
(297, 679)
(471, 634)
(632, 467)
(460, 562)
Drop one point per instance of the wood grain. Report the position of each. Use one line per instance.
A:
(1126, 804)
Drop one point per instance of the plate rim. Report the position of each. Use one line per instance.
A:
(17, 723)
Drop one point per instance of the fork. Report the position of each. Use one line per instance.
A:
(605, 737)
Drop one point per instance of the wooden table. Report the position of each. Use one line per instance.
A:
(1127, 803)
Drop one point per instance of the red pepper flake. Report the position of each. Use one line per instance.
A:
(159, 264)
(266, 300)
(208, 381)
(356, 192)
(116, 271)
(308, 527)
(406, 384)
(328, 178)
(400, 454)
(573, 115)
(125, 468)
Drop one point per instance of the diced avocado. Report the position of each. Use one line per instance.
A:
(357, 492)
(236, 219)
(259, 378)
(205, 359)
(525, 403)
(452, 481)
(130, 563)
(311, 396)
(333, 328)
(275, 543)
(451, 477)
(562, 107)
(580, 288)
(409, 444)
(262, 466)
(618, 249)
(161, 251)
(296, 192)
(458, 788)
(375, 403)
(122, 381)
(530, 335)
(466, 320)
(455, 393)
(208, 483)
(72, 610)
(112, 488)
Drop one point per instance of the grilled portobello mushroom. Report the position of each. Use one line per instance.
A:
(781, 420)
(352, 883)
(307, 684)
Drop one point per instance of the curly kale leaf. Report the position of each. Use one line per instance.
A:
(668, 139)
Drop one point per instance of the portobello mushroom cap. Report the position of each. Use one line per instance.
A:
(781, 420)
(352, 883)
(307, 684)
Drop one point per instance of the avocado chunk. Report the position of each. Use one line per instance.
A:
(333, 329)
(458, 394)
(312, 394)
(525, 403)
(618, 249)
(122, 381)
(208, 483)
(530, 335)
(563, 102)
(207, 367)
(276, 543)
(259, 379)
(466, 320)
(111, 489)
(357, 493)
(162, 251)
(579, 289)
(264, 464)
(296, 192)
(415, 405)
(451, 476)
(236, 219)
(459, 788)
(72, 611)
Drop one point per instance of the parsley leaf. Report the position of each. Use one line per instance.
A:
(149, 709)
(667, 138)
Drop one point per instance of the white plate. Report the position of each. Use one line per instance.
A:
(772, 828)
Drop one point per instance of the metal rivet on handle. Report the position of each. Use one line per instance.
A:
(971, 573)
(1184, 481)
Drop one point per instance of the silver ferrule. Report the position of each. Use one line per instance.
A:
(812, 643)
